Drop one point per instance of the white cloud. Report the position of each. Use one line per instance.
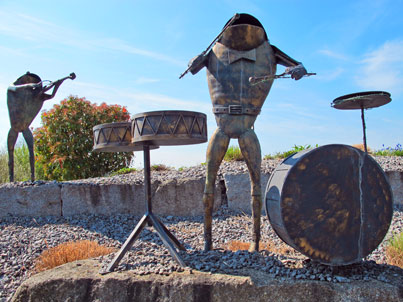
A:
(38, 31)
(333, 54)
(382, 68)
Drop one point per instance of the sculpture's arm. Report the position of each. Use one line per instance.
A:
(294, 68)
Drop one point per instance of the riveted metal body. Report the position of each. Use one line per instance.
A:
(333, 203)
(241, 52)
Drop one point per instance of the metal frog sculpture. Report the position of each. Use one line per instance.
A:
(25, 98)
(239, 56)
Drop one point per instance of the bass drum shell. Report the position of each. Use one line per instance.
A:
(168, 128)
(333, 204)
(115, 137)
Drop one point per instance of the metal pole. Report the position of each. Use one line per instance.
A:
(147, 178)
(363, 128)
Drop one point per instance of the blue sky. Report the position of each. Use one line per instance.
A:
(132, 52)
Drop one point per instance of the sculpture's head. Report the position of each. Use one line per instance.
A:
(28, 78)
(244, 34)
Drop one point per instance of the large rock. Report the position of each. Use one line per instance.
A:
(396, 183)
(80, 281)
(32, 200)
(238, 191)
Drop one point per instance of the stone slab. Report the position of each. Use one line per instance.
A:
(396, 183)
(80, 282)
(32, 200)
(238, 191)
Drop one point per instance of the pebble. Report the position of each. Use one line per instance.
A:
(23, 239)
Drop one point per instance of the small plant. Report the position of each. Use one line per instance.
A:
(159, 167)
(233, 154)
(394, 250)
(123, 171)
(285, 154)
(389, 151)
(68, 252)
(22, 170)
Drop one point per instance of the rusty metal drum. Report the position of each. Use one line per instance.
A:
(333, 204)
(115, 137)
(170, 127)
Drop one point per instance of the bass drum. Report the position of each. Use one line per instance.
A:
(333, 203)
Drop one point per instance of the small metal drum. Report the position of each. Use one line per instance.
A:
(115, 137)
(333, 203)
(165, 128)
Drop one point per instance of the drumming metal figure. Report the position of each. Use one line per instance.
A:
(25, 98)
(241, 53)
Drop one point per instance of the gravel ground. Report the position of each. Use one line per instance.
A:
(23, 239)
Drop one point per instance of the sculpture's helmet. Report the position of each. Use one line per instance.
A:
(28, 78)
(245, 33)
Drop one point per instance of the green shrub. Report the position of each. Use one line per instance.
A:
(233, 154)
(389, 151)
(285, 154)
(63, 144)
(22, 169)
(123, 171)
(159, 167)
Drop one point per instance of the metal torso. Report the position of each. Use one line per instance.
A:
(25, 103)
(228, 72)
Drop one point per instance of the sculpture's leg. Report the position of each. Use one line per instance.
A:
(11, 140)
(250, 148)
(216, 149)
(30, 142)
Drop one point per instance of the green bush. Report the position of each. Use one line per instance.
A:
(389, 151)
(63, 144)
(22, 170)
(233, 154)
(285, 154)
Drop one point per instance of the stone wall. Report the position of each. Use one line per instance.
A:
(173, 196)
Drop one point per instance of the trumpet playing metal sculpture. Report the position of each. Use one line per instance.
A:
(241, 67)
(25, 98)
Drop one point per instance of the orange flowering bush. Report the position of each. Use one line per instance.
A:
(64, 143)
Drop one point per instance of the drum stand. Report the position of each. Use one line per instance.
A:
(167, 238)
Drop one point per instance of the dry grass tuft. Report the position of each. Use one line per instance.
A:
(362, 148)
(394, 250)
(394, 256)
(68, 252)
(282, 249)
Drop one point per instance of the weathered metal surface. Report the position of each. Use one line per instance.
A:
(333, 203)
(242, 51)
(115, 137)
(171, 127)
(362, 100)
(25, 98)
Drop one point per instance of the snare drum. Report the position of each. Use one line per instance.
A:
(165, 128)
(115, 137)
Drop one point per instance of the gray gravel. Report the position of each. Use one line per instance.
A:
(23, 239)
